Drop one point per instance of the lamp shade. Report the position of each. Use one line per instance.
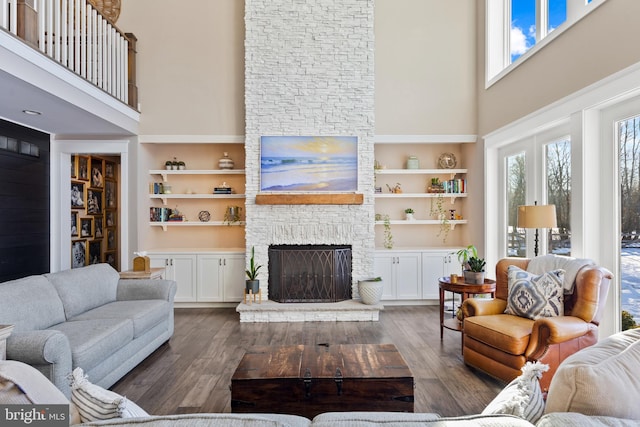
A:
(537, 216)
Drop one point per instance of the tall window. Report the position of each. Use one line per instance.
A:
(522, 35)
(629, 175)
(516, 196)
(558, 172)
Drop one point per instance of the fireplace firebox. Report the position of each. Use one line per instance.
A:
(309, 273)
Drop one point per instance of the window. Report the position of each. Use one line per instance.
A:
(628, 132)
(558, 172)
(517, 28)
(516, 196)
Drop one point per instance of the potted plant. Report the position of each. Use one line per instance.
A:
(167, 165)
(409, 214)
(370, 290)
(252, 282)
(472, 265)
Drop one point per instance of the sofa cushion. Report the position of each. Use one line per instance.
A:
(587, 381)
(534, 296)
(505, 332)
(92, 341)
(522, 396)
(573, 419)
(399, 419)
(208, 420)
(82, 289)
(145, 314)
(19, 307)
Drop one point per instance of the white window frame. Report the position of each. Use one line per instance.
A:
(498, 32)
(594, 224)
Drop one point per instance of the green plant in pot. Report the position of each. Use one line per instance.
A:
(472, 265)
(370, 290)
(252, 282)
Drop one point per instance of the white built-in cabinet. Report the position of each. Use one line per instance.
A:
(412, 274)
(203, 276)
(401, 274)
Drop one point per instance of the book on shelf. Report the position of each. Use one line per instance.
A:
(156, 188)
(222, 190)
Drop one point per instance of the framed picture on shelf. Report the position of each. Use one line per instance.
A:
(110, 194)
(97, 228)
(95, 252)
(74, 166)
(83, 168)
(110, 218)
(111, 239)
(78, 253)
(77, 195)
(86, 227)
(94, 202)
(110, 258)
(74, 224)
(97, 176)
(109, 170)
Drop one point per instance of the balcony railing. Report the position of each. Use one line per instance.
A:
(75, 34)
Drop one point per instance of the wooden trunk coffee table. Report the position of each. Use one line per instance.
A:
(307, 380)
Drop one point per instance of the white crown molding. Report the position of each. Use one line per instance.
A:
(425, 139)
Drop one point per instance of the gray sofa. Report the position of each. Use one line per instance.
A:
(86, 317)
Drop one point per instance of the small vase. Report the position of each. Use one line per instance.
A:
(225, 162)
(410, 217)
(253, 286)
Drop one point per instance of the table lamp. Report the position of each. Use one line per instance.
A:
(537, 216)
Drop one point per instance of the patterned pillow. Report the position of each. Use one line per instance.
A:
(534, 296)
(95, 403)
(522, 396)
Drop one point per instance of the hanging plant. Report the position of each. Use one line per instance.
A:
(437, 210)
(388, 237)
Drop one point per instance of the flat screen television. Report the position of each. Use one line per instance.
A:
(307, 164)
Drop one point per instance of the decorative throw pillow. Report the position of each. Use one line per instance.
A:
(95, 403)
(522, 396)
(535, 296)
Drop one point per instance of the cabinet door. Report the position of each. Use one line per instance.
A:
(383, 264)
(161, 261)
(433, 267)
(234, 277)
(184, 271)
(209, 282)
(407, 275)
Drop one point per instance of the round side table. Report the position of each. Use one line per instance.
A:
(465, 290)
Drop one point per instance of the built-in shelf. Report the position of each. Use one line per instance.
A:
(165, 197)
(452, 223)
(451, 172)
(453, 196)
(165, 172)
(165, 224)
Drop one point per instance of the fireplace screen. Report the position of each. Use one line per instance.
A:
(309, 273)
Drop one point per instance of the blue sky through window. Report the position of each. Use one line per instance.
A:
(523, 23)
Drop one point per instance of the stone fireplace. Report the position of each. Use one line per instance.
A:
(309, 70)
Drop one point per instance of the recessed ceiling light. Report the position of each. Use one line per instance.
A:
(32, 112)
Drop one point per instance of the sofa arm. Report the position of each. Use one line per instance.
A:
(48, 351)
(483, 307)
(555, 330)
(139, 289)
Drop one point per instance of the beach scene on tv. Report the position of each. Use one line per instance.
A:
(309, 163)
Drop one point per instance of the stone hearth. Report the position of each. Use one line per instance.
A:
(344, 311)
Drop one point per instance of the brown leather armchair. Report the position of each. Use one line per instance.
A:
(500, 344)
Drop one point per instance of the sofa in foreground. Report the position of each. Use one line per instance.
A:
(86, 317)
(596, 386)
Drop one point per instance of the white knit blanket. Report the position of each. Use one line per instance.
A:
(571, 266)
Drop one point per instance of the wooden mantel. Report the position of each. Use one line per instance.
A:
(310, 199)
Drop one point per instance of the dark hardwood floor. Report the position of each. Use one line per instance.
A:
(192, 373)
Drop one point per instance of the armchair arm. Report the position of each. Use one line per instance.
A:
(482, 306)
(139, 289)
(555, 330)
